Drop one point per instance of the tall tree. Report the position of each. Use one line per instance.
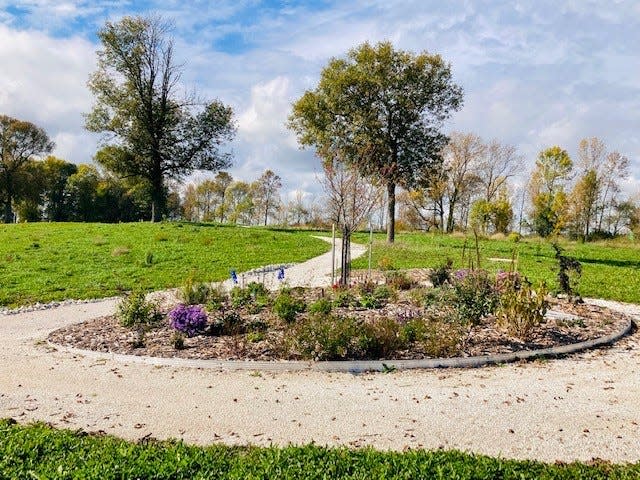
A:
(461, 158)
(380, 110)
(56, 172)
(20, 141)
(155, 134)
(266, 196)
(546, 190)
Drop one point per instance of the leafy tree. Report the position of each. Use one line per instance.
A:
(55, 173)
(83, 187)
(155, 134)
(380, 110)
(20, 141)
(239, 202)
(266, 197)
(583, 200)
(549, 201)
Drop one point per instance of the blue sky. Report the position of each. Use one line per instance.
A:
(535, 74)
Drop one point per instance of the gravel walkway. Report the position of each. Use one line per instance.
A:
(580, 407)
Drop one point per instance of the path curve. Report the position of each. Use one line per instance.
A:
(580, 407)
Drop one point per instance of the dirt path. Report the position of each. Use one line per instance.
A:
(577, 408)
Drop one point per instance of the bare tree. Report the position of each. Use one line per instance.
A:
(266, 194)
(351, 198)
(461, 158)
(498, 165)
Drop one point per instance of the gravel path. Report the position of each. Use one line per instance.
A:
(580, 407)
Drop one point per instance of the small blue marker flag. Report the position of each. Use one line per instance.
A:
(234, 277)
(281, 273)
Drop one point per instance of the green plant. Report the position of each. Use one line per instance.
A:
(441, 274)
(216, 299)
(287, 307)
(135, 311)
(398, 280)
(255, 337)
(380, 338)
(475, 295)
(148, 259)
(323, 337)
(322, 305)
(345, 298)
(569, 272)
(522, 308)
(177, 339)
(194, 293)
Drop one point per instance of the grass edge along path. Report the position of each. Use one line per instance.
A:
(40, 451)
(43, 262)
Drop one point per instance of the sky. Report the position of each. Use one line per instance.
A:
(534, 73)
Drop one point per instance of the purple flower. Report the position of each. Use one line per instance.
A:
(460, 275)
(188, 319)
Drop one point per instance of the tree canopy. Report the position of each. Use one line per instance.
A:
(20, 141)
(380, 110)
(152, 132)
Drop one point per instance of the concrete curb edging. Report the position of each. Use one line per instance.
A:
(354, 366)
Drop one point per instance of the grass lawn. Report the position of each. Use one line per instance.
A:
(610, 270)
(38, 451)
(41, 262)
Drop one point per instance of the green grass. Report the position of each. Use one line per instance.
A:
(38, 451)
(41, 262)
(610, 270)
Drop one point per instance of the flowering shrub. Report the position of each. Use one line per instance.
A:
(507, 281)
(188, 319)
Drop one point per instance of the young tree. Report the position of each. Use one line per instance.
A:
(351, 200)
(381, 109)
(266, 196)
(20, 142)
(155, 134)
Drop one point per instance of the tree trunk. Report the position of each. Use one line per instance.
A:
(345, 257)
(450, 217)
(391, 212)
(8, 212)
(158, 200)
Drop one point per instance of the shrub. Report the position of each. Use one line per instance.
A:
(506, 281)
(254, 296)
(522, 308)
(438, 336)
(398, 280)
(188, 319)
(194, 293)
(216, 299)
(177, 339)
(475, 296)
(135, 311)
(441, 274)
(380, 339)
(230, 323)
(344, 298)
(322, 305)
(323, 337)
(287, 307)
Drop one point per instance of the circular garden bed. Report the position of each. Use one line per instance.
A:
(394, 316)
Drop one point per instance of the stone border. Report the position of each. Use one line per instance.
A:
(356, 366)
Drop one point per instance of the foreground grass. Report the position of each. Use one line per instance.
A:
(38, 451)
(610, 270)
(41, 262)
